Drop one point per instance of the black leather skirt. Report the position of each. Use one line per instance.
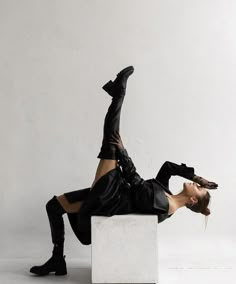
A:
(111, 195)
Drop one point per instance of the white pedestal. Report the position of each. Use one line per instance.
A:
(124, 249)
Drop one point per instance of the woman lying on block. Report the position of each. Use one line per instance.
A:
(118, 188)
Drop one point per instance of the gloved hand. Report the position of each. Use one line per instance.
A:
(205, 183)
(128, 168)
(116, 140)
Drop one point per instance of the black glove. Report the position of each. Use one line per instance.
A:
(205, 183)
(128, 168)
(125, 162)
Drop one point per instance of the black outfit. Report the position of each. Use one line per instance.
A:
(81, 222)
(119, 191)
(57, 262)
(111, 124)
(123, 191)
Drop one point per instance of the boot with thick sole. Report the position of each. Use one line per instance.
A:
(57, 262)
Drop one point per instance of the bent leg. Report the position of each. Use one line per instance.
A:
(57, 262)
(69, 207)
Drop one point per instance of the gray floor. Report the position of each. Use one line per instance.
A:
(17, 271)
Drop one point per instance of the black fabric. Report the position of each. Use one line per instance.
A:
(112, 195)
(77, 195)
(111, 124)
(145, 191)
(153, 188)
(128, 169)
(121, 192)
(167, 170)
(112, 118)
(55, 212)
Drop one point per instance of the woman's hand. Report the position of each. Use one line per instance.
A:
(205, 183)
(116, 140)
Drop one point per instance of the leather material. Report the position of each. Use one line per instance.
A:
(111, 125)
(57, 262)
(117, 90)
(152, 188)
(55, 212)
(118, 87)
(160, 200)
(169, 169)
(128, 169)
(54, 264)
(77, 195)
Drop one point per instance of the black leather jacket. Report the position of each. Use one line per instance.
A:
(156, 185)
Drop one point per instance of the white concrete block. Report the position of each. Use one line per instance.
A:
(124, 249)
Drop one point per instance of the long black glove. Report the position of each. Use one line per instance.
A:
(125, 162)
(169, 169)
(205, 183)
(128, 168)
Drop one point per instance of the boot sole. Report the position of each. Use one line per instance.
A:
(60, 270)
(61, 273)
(57, 273)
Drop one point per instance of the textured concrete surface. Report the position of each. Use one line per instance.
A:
(125, 249)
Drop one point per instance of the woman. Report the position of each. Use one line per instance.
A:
(118, 188)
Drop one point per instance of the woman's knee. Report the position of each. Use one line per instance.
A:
(49, 204)
(69, 207)
(53, 205)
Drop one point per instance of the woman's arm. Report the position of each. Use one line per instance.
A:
(126, 163)
(128, 168)
(169, 169)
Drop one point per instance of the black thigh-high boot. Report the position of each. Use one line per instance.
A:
(117, 90)
(57, 262)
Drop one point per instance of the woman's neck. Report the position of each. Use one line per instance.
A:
(176, 201)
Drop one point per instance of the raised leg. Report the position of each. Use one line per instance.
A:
(108, 155)
(117, 90)
(111, 125)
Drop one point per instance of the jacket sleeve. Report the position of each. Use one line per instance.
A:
(169, 169)
(128, 168)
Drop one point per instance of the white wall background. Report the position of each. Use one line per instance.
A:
(180, 106)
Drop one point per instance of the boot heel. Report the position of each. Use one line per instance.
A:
(108, 87)
(61, 272)
(61, 268)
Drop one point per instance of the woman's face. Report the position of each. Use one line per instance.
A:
(194, 189)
